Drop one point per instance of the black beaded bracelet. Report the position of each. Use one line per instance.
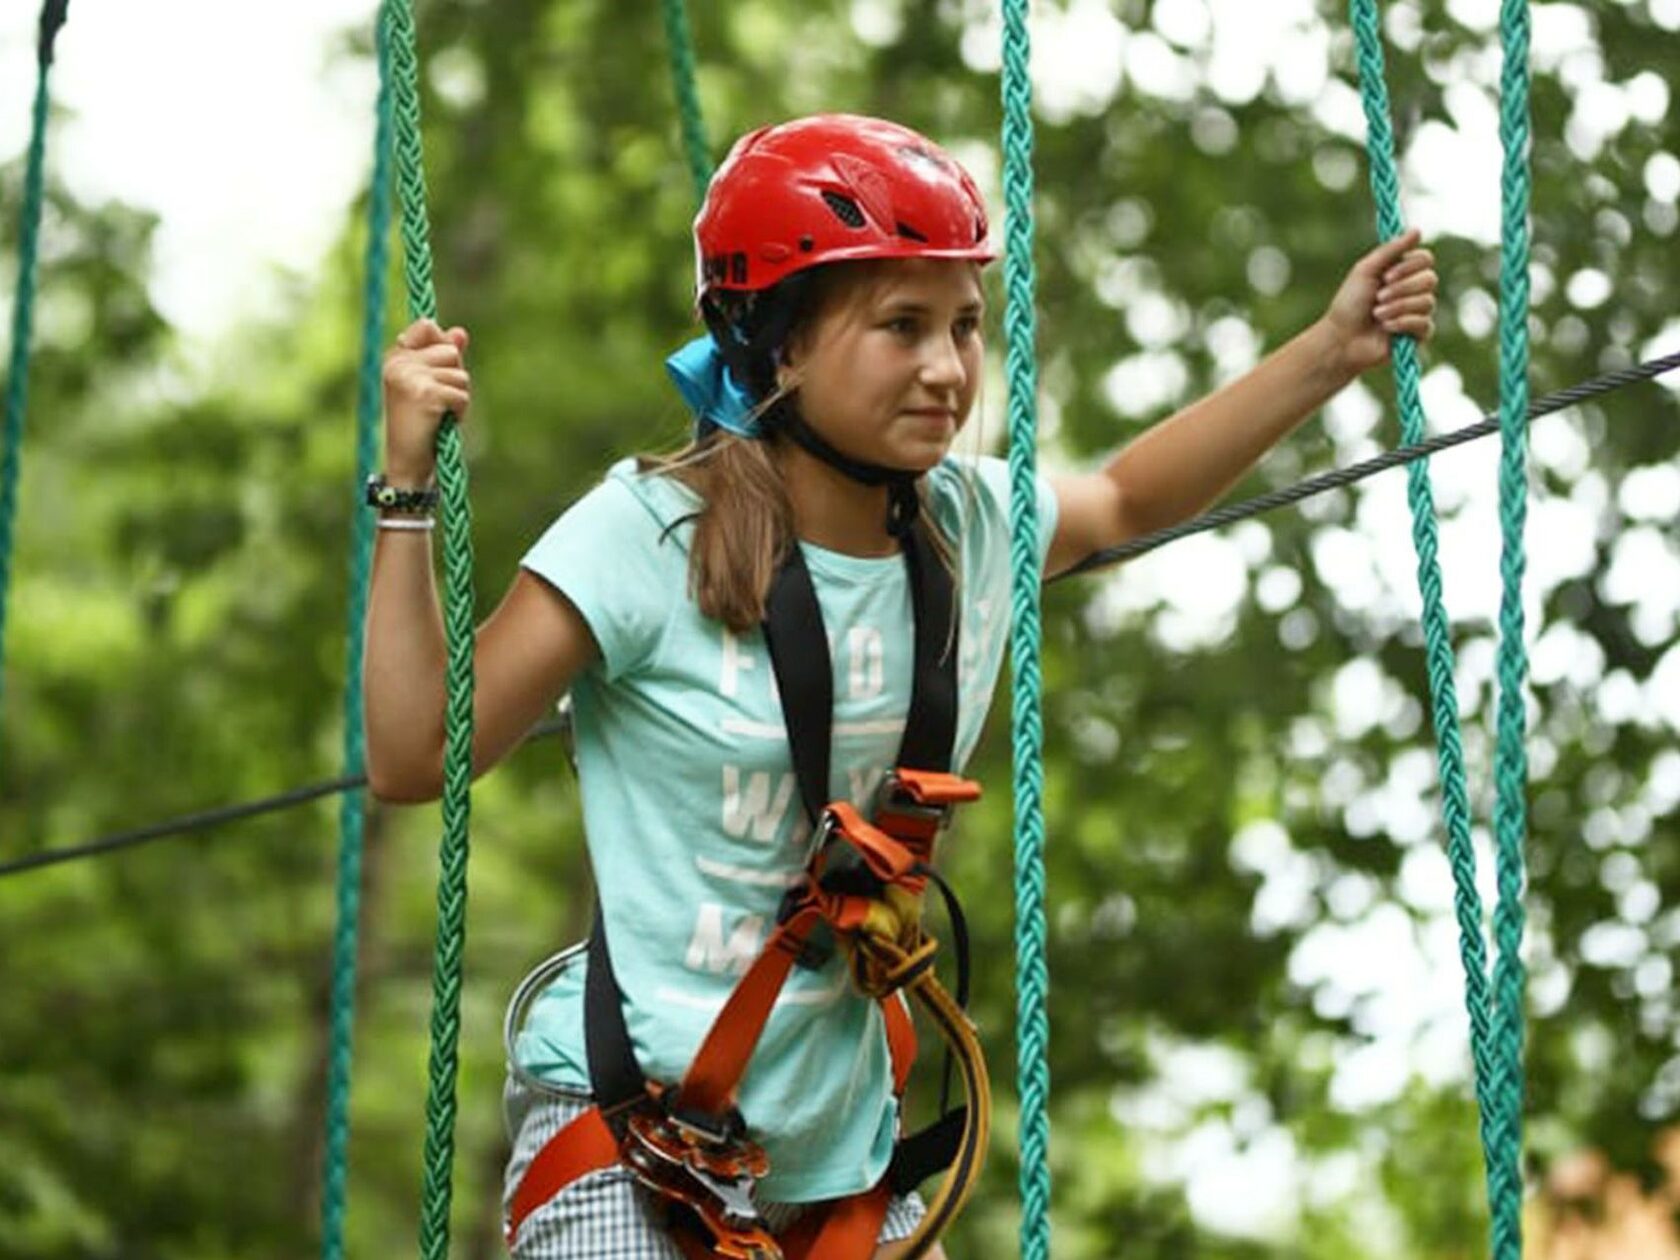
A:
(383, 495)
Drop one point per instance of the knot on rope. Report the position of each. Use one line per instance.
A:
(883, 964)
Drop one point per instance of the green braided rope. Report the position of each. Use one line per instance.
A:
(1510, 756)
(1443, 690)
(23, 308)
(1031, 974)
(679, 47)
(1495, 1052)
(361, 556)
(442, 1064)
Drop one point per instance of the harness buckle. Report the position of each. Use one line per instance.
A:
(869, 874)
(707, 1164)
(915, 805)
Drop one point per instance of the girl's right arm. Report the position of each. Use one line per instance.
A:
(526, 654)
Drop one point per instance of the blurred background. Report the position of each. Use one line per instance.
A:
(1258, 1041)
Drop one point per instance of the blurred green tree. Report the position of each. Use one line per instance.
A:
(1251, 962)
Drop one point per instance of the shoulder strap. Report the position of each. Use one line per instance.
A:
(798, 643)
(931, 730)
(793, 631)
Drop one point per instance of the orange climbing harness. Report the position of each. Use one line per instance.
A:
(862, 892)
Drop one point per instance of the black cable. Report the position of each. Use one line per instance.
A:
(1234, 512)
(184, 824)
(205, 819)
(1545, 405)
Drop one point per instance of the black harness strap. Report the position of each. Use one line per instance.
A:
(930, 733)
(615, 1077)
(798, 643)
(799, 657)
(919, 1155)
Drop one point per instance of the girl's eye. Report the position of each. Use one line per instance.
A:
(966, 327)
(903, 326)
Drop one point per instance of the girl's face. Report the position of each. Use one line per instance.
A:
(888, 369)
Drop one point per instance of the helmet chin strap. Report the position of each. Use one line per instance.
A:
(903, 503)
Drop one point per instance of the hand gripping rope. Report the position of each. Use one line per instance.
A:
(443, 1061)
(1496, 1042)
(1496, 1024)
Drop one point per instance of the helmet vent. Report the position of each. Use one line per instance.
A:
(910, 234)
(845, 209)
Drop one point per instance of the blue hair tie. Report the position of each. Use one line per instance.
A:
(711, 392)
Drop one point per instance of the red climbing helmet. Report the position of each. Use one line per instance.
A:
(829, 188)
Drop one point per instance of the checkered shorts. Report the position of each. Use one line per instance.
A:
(609, 1215)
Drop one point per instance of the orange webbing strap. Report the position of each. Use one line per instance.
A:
(846, 1229)
(901, 1039)
(936, 787)
(584, 1146)
(709, 1085)
(889, 858)
(849, 1228)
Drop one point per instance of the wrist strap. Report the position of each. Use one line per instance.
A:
(383, 495)
(419, 524)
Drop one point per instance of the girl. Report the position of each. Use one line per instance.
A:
(838, 262)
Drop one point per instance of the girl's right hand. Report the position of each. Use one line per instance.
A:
(425, 376)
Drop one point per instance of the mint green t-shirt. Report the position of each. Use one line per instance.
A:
(692, 811)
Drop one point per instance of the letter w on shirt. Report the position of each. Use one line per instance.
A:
(748, 809)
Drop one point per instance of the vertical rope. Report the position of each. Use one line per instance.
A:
(1495, 1052)
(53, 13)
(1438, 651)
(679, 47)
(1032, 979)
(350, 815)
(443, 1062)
(1510, 756)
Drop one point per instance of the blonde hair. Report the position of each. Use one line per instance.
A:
(744, 527)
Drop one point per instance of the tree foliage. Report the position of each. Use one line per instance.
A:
(1240, 790)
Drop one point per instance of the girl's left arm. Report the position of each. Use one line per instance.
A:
(1184, 464)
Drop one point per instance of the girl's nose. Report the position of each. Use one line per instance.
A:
(942, 364)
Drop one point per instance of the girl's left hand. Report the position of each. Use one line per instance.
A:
(1389, 291)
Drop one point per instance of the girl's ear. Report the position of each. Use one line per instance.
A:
(788, 355)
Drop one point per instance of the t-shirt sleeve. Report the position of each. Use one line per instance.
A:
(609, 555)
(992, 475)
